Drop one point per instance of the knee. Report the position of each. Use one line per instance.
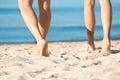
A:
(89, 3)
(44, 6)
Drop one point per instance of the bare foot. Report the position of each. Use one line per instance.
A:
(106, 47)
(91, 48)
(43, 48)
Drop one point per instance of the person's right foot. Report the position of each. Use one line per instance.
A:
(106, 47)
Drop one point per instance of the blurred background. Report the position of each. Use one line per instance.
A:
(67, 21)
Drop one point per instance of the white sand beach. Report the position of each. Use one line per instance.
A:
(67, 61)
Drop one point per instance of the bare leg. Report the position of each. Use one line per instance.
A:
(30, 19)
(44, 17)
(44, 20)
(106, 14)
(90, 22)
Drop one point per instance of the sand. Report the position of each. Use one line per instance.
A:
(67, 61)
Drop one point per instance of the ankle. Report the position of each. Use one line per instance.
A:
(91, 47)
(91, 43)
(106, 41)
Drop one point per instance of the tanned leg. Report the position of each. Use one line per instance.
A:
(44, 22)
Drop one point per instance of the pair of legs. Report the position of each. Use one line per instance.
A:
(106, 15)
(38, 26)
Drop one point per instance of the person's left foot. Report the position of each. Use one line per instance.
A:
(43, 48)
(106, 48)
(91, 48)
